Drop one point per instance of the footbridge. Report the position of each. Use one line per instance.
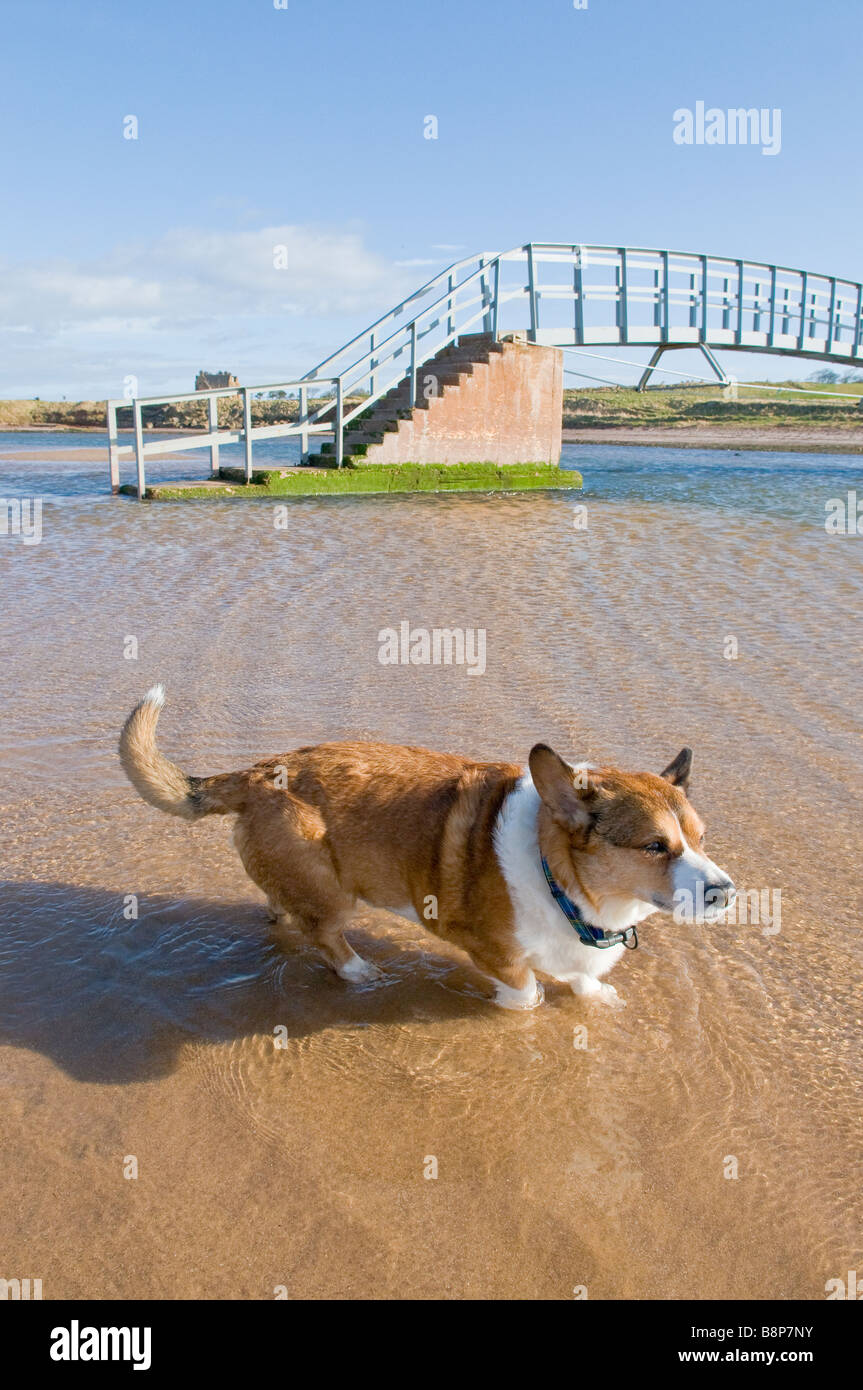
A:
(546, 295)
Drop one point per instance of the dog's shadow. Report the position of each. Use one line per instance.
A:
(112, 1000)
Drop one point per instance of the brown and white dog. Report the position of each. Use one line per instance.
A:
(475, 852)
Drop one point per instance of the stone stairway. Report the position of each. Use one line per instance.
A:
(478, 399)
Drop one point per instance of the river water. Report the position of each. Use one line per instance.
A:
(702, 1141)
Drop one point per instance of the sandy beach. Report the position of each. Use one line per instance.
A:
(780, 439)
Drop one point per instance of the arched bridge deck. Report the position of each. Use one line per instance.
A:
(641, 298)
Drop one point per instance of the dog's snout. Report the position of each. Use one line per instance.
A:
(720, 895)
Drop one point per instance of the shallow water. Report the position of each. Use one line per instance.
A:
(559, 1165)
(791, 485)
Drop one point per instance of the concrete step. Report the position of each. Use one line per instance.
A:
(387, 408)
(383, 420)
(468, 365)
(444, 378)
(455, 363)
(461, 357)
(354, 446)
(480, 340)
(464, 355)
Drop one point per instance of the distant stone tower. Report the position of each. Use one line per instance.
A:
(209, 381)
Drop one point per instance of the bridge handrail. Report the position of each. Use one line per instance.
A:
(394, 312)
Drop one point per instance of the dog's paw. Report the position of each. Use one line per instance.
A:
(609, 995)
(359, 972)
(508, 998)
(587, 987)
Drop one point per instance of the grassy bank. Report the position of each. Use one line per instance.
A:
(368, 478)
(182, 415)
(619, 407)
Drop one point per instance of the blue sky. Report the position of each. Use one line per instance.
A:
(305, 124)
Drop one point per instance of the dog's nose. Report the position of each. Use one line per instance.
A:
(720, 895)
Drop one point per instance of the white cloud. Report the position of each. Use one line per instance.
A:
(153, 306)
(190, 273)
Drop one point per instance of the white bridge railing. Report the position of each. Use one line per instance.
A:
(559, 295)
(214, 437)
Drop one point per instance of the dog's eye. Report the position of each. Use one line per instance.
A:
(656, 847)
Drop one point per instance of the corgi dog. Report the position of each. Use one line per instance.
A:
(549, 869)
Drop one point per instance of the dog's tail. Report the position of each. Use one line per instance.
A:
(161, 782)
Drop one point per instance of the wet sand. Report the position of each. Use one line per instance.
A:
(302, 1166)
(781, 438)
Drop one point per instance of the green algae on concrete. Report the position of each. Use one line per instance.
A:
(358, 477)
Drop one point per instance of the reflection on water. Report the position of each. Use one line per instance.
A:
(281, 1120)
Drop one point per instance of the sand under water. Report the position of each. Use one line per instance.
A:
(283, 1125)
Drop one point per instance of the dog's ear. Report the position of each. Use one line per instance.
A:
(570, 794)
(678, 772)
